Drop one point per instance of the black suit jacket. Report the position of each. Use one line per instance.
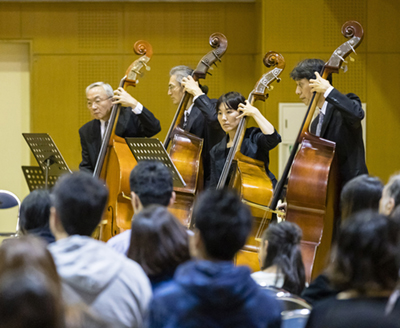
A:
(129, 125)
(203, 122)
(255, 145)
(342, 124)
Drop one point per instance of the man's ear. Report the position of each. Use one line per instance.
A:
(52, 220)
(172, 199)
(136, 203)
(390, 205)
(55, 224)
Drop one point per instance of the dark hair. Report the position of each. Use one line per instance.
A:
(223, 221)
(159, 243)
(27, 252)
(284, 252)
(306, 69)
(393, 188)
(152, 182)
(35, 211)
(231, 100)
(30, 288)
(365, 254)
(27, 299)
(80, 200)
(361, 193)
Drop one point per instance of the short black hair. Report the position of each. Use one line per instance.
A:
(79, 199)
(223, 221)
(306, 69)
(231, 99)
(169, 246)
(360, 193)
(152, 182)
(35, 211)
(365, 255)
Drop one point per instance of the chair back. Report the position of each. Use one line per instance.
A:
(9, 200)
(295, 318)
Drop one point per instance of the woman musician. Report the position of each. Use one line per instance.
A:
(257, 142)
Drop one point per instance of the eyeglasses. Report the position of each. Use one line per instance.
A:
(97, 102)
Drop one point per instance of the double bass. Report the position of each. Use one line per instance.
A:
(115, 160)
(185, 149)
(312, 191)
(248, 175)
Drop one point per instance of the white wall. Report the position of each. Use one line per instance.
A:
(15, 119)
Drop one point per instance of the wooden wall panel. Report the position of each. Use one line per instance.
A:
(69, 28)
(10, 19)
(383, 26)
(383, 123)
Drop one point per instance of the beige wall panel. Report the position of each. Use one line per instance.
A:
(383, 26)
(59, 102)
(73, 28)
(383, 123)
(10, 20)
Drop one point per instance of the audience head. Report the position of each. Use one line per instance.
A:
(223, 224)
(78, 202)
(280, 247)
(365, 255)
(35, 211)
(390, 196)
(151, 183)
(28, 300)
(362, 192)
(30, 288)
(159, 243)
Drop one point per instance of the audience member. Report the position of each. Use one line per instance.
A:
(390, 196)
(280, 258)
(30, 288)
(151, 183)
(34, 215)
(365, 270)
(360, 193)
(168, 248)
(212, 291)
(114, 287)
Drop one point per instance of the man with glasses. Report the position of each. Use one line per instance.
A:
(134, 120)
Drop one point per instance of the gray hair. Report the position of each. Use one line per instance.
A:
(107, 88)
(180, 72)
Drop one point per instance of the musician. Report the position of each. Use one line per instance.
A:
(340, 117)
(200, 117)
(134, 120)
(257, 142)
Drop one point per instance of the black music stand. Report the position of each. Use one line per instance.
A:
(151, 149)
(35, 178)
(48, 157)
